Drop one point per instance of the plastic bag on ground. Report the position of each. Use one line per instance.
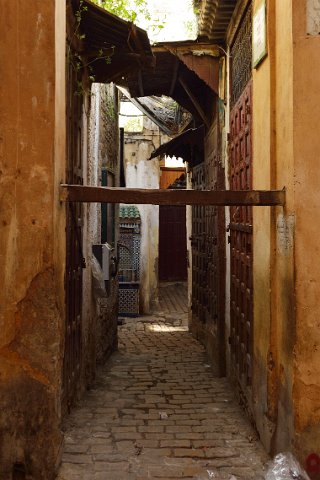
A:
(285, 467)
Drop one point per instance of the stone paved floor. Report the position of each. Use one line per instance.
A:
(158, 412)
(173, 300)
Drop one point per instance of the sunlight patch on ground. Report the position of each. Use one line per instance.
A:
(165, 328)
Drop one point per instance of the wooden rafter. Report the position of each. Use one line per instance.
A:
(79, 193)
(194, 101)
(174, 76)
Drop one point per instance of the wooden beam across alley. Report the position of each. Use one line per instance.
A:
(79, 193)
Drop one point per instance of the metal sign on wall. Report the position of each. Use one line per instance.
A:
(259, 34)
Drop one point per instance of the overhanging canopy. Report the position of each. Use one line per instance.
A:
(182, 145)
(114, 47)
(171, 77)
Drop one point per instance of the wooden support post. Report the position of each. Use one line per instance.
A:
(79, 193)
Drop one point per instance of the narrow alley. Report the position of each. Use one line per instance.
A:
(157, 411)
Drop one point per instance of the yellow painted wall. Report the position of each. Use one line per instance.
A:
(286, 141)
(273, 231)
(306, 146)
(32, 233)
(261, 150)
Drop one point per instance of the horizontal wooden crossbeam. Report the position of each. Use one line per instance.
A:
(79, 193)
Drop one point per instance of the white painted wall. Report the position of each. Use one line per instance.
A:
(99, 313)
(143, 173)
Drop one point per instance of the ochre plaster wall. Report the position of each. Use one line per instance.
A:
(261, 131)
(282, 234)
(286, 93)
(32, 222)
(273, 250)
(306, 145)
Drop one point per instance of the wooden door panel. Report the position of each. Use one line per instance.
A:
(172, 243)
(208, 253)
(241, 240)
(74, 256)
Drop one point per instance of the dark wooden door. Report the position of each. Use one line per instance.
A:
(172, 243)
(74, 256)
(241, 238)
(208, 252)
(199, 257)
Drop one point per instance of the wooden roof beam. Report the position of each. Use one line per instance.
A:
(79, 193)
(174, 76)
(194, 101)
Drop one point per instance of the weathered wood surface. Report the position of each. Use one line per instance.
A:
(79, 193)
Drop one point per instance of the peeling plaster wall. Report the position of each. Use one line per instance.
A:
(89, 235)
(100, 313)
(143, 173)
(32, 237)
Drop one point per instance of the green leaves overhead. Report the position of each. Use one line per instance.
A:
(125, 8)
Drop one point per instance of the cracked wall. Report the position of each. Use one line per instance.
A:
(32, 239)
(100, 313)
(286, 268)
(143, 173)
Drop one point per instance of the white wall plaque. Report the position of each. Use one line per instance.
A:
(259, 34)
(313, 17)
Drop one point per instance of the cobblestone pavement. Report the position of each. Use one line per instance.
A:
(158, 412)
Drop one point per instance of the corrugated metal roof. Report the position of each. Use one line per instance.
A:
(103, 29)
(164, 80)
(115, 48)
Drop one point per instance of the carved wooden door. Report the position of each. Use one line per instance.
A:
(241, 238)
(208, 251)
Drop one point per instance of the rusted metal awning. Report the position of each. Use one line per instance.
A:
(171, 77)
(200, 57)
(182, 144)
(79, 193)
(114, 47)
